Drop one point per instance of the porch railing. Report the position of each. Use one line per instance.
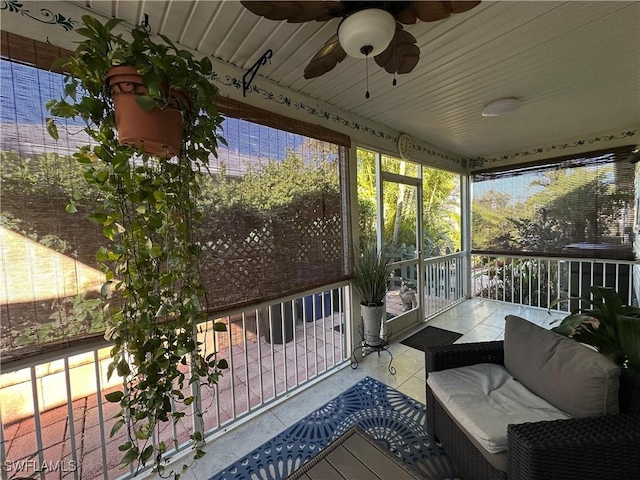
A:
(54, 414)
(538, 281)
(443, 282)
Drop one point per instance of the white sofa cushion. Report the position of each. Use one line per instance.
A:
(485, 399)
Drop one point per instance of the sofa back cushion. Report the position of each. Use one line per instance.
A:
(567, 374)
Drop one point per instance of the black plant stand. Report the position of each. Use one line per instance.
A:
(367, 348)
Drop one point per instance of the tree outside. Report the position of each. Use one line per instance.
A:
(440, 206)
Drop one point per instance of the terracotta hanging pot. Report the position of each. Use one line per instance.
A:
(157, 131)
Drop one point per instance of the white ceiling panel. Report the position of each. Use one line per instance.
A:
(574, 65)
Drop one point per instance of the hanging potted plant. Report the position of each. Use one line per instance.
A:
(147, 209)
(143, 123)
(148, 86)
(371, 281)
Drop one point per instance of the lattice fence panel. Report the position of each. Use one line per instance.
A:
(250, 256)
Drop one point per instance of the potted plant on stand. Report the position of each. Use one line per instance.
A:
(371, 281)
(147, 190)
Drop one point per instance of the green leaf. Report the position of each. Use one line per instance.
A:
(146, 102)
(104, 290)
(123, 368)
(71, 208)
(219, 327)
(114, 397)
(125, 446)
(62, 109)
(570, 324)
(206, 66)
(159, 195)
(97, 217)
(110, 231)
(167, 41)
(223, 364)
(116, 427)
(70, 90)
(52, 129)
(130, 456)
(112, 366)
(102, 254)
(102, 176)
(111, 24)
(146, 454)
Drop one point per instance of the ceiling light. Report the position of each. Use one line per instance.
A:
(500, 107)
(366, 32)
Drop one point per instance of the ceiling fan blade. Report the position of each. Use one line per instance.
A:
(459, 7)
(326, 59)
(432, 11)
(402, 54)
(296, 11)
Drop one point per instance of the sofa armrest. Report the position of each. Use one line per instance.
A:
(580, 449)
(630, 392)
(442, 357)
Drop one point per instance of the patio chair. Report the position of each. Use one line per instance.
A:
(593, 448)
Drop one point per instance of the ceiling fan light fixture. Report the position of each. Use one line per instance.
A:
(501, 106)
(366, 32)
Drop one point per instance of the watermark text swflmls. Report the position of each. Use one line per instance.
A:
(37, 466)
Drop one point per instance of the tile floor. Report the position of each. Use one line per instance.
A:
(477, 319)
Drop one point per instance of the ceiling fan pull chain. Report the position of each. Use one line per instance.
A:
(393, 59)
(366, 62)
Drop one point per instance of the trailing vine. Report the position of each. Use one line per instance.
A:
(153, 293)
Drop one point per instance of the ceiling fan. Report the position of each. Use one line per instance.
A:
(371, 28)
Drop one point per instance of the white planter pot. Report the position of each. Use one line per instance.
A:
(372, 323)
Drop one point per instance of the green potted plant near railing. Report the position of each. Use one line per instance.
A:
(371, 281)
(149, 217)
(609, 326)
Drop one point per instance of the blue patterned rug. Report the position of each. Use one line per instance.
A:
(387, 415)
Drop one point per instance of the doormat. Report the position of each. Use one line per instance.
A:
(430, 336)
(396, 421)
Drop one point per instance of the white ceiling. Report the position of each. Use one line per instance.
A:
(574, 65)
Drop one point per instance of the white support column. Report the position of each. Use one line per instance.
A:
(465, 218)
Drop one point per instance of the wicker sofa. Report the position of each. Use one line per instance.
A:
(599, 447)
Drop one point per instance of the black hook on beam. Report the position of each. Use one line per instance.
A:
(145, 23)
(266, 56)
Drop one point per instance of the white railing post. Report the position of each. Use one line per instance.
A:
(70, 419)
(3, 454)
(196, 391)
(36, 418)
(103, 442)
